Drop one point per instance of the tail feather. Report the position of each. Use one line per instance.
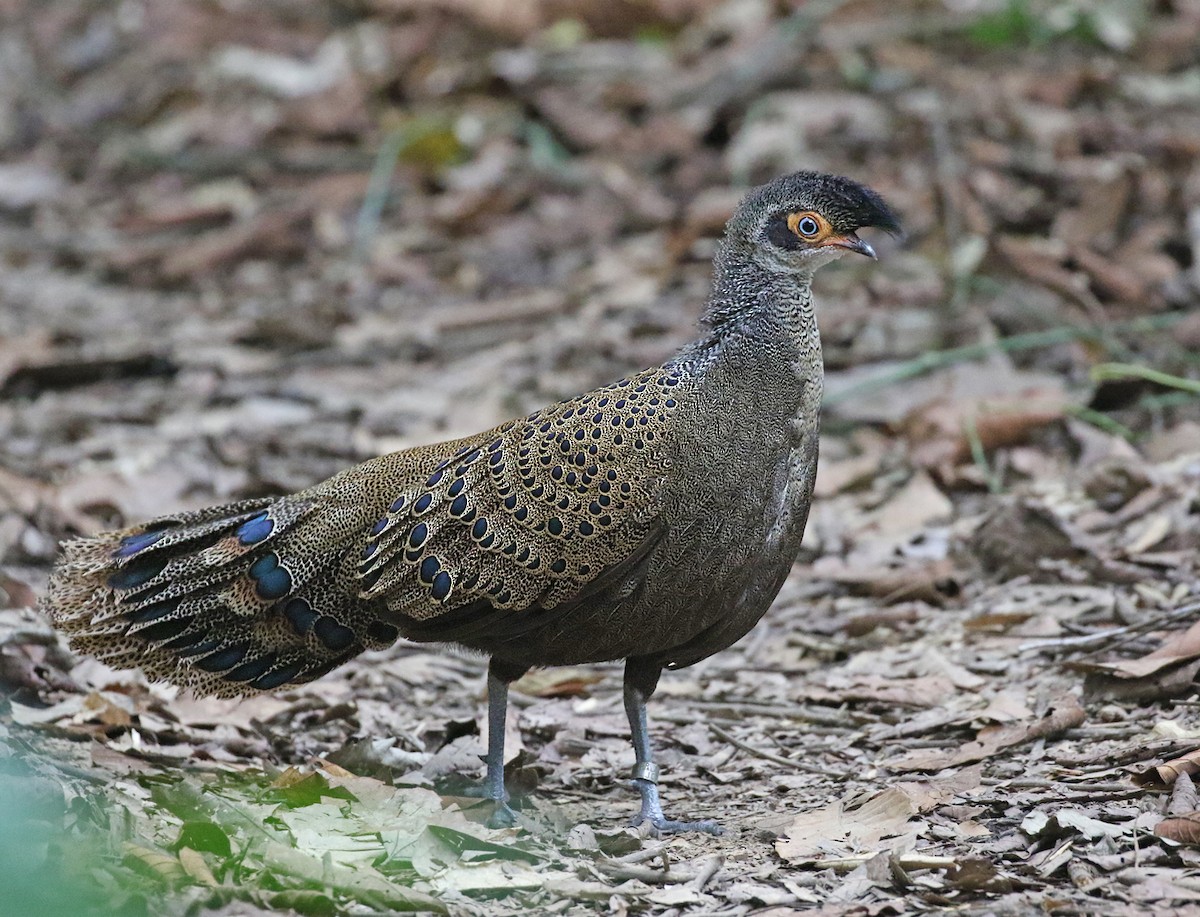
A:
(228, 600)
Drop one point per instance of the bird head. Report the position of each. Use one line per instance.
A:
(801, 221)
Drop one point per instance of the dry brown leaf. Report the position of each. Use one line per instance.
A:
(1161, 776)
(924, 691)
(976, 874)
(928, 794)
(14, 593)
(917, 504)
(1181, 439)
(932, 582)
(1184, 798)
(862, 827)
(1041, 261)
(159, 864)
(98, 708)
(1165, 672)
(290, 777)
(1006, 707)
(1184, 829)
(273, 232)
(1154, 529)
(1065, 713)
(835, 476)
(863, 624)
(559, 682)
(834, 827)
(1025, 537)
(940, 433)
(1104, 191)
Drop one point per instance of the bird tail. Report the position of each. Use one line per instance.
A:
(227, 600)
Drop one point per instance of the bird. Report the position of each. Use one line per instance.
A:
(652, 520)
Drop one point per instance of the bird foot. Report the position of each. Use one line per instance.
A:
(663, 825)
(502, 815)
(651, 813)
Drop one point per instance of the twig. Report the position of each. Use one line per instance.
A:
(906, 861)
(616, 870)
(937, 359)
(765, 755)
(709, 867)
(1106, 371)
(1101, 421)
(1104, 636)
(644, 855)
(369, 214)
(829, 717)
(979, 455)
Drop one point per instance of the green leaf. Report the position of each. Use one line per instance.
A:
(183, 800)
(312, 789)
(461, 843)
(204, 836)
(310, 903)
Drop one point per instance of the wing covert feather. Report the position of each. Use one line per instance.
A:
(531, 513)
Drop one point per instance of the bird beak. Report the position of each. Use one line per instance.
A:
(852, 243)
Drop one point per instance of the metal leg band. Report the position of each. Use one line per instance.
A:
(647, 771)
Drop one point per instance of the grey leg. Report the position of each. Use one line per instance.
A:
(503, 817)
(641, 679)
(500, 674)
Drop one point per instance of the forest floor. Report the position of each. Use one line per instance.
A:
(248, 245)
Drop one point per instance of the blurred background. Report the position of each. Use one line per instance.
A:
(247, 243)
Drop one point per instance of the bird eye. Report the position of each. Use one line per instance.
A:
(807, 227)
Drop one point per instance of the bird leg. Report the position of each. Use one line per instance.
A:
(641, 678)
(499, 676)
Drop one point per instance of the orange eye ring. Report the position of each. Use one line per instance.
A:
(808, 225)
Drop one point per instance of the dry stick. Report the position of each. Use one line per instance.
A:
(709, 867)
(765, 755)
(906, 861)
(615, 870)
(1129, 630)
(826, 717)
(645, 854)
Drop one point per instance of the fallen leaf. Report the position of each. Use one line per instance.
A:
(1164, 775)
(976, 874)
(917, 504)
(193, 864)
(1065, 713)
(841, 827)
(558, 682)
(933, 582)
(940, 433)
(1166, 672)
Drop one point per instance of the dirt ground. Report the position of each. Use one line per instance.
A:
(246, 245)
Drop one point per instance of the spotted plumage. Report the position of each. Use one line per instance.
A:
(651, 520)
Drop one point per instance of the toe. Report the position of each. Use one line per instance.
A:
(670, 826)
(502, 817)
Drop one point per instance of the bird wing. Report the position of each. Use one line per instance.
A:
(533, 514)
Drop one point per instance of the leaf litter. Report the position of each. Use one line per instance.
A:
(247, 246)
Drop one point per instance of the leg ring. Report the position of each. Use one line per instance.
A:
(647, 771)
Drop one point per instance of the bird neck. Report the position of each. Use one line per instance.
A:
(765, 309)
